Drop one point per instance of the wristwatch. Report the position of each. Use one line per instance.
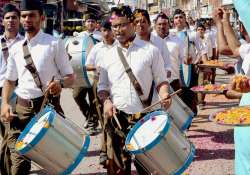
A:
(61, 81)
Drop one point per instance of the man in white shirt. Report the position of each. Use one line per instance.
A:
(119, 96)
(50, 59)
(90, 23)
(144, 32)
(94, 59)
(175, 48)
(11, 23)
(80, 93)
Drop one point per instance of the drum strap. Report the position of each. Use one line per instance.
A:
(31, 66)
(134, 81)
(5, 50)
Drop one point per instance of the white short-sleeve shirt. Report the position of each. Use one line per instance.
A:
(50, 58)
(147, 65)
(175, 47)
(160, 44)
(98, 52)
(3, 65)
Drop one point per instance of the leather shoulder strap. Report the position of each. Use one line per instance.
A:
(134, 81)
(31, 66)
(129, 72)
(5, 49)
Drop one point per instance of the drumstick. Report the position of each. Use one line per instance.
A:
(156, 103)
(46, 93)
(117, 122)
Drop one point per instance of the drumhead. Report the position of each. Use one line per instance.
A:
(35, 130)
(78, 48)
(147, 132)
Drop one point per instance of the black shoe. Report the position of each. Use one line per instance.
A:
(103, 159)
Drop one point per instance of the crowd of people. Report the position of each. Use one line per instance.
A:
(137, 61)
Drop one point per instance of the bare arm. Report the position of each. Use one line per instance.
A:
(233, 42)
(8, 89)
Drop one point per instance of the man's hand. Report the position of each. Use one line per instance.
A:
(217, 15)
(108, 109)
(54, 88)
(6, 116)
(166, 100)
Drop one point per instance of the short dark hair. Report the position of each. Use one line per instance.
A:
(200, 24)
(143, 13)
(179, 12)
(122, 11)
(10, 8)
(106, 23)
(161, 15)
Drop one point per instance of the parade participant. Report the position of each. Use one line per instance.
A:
(80, 93)
(11, 22)
(119, 95)
(144, 32)
(174, 45)
(43, 57)
(93, 62)
(191, 52)
(91, 24)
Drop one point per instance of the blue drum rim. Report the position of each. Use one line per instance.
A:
(79, 157)
(42, 132)
(85, 75)
(84, 57)
(187, 84)
(154, 142)
(188, 122)
(187, 162)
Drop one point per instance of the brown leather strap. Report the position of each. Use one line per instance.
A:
(31, 66)
(134, 81)
(130, 73)
(5, 49)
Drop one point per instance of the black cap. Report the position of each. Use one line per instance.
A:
(10, 8)
(90, 16)
(27, 5)
(106, 24)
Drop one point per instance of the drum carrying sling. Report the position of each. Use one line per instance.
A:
(134, 81)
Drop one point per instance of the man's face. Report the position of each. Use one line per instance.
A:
(11, 22)
(179, 21)
(201, 31)
(91, 25)
(142, 25)
(107, 34)
(123, 29)
(162, 27)
(31, 20)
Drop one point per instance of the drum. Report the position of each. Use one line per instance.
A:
(78, 48)
(180, 113)
(159, 145)
(53, 142)
(185, 74)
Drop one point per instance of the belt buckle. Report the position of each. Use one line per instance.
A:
(31, 104)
